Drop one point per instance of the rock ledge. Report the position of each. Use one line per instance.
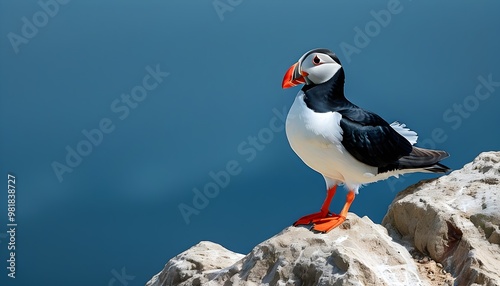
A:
(442, 231)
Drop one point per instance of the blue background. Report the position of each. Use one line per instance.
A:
(119, 208)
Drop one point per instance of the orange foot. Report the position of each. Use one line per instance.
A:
(326, 224)
(321, 222)
(312, 218)
(324, 221)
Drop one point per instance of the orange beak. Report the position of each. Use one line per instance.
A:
(293, 77)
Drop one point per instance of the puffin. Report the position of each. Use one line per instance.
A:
(345, 143)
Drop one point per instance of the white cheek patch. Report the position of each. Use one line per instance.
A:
(321, 73)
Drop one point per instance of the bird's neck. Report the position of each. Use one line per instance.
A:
(328, 96)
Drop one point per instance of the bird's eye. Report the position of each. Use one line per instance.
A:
(316, 60)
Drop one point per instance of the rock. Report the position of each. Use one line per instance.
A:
(455, 220)
(442, 231)
(357, 253)
(203, 258)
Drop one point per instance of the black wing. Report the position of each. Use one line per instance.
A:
(370, 139)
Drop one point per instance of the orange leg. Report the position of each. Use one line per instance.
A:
(331, 222)
(323, 213)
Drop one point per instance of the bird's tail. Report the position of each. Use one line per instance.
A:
(425, 159)
(420, 160)
(437, 168)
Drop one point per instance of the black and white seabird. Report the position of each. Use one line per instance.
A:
(343, 142)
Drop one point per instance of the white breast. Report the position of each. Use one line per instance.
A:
(316, 138)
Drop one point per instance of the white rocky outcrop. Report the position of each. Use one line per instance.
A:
(359, 253)
(443, 231)
(455, 220)
(189, 267)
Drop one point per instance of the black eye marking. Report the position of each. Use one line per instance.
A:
(316, 60)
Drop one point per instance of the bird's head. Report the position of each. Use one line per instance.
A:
(314, 67)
